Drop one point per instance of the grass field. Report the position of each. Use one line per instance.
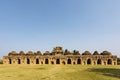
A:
(59, 72)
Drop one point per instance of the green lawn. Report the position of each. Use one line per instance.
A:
(59, 72)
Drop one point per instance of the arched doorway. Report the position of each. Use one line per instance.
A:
(69, 61)
(28, 61)
(99, 61)
(37, 61)
(89, 61)
(63, 62)
(19, 62)
(109, 61)
(57, 61)
(46, 61)
(73, 62)
(52, 62)
(10, 61)
(78, 61)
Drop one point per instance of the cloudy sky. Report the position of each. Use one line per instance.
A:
(73, 24)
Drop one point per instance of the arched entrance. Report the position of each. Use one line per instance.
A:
(99, 61)
(109, 61)
(69, 61)
(57, 61)
(78, 61)
(28, 61)
(37, 61)
(46, 61)
(19, 61)
(63, 62)
(89, 61)
(52, 62)
(10, 61)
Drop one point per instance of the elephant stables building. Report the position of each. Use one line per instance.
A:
(60, 56)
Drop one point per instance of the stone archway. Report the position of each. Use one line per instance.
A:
(69, 61)
(37, 61)
(78, 61)
(57, 61)
(19, 61)
(99, 61)
(109, 61)
(28, 61)
(89, 61)
(46, 61)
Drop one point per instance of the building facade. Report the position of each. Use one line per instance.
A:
(60, 56)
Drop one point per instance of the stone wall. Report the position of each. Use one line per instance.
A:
(63, 59)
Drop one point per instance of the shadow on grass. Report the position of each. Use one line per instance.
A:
(112, 72)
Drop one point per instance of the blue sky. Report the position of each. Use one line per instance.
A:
(74, 24)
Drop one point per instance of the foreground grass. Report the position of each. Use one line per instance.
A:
(59, 72)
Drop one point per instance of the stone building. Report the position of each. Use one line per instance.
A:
(60, 56)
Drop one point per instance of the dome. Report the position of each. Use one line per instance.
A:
(39, 53)
(47, 53)
(12, 53)
(105, 53)
(68, 53)
(75, 52)
(86, 53)
(96, 53)
(29, 53)
(21, 53)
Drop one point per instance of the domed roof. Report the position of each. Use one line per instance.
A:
(68, 53)
(105, 53)
(21, 53)
(96, 53)
(39, 53)
(47, 53)
(29, 53)
(75, 52)
(86, 53)
(12, 53)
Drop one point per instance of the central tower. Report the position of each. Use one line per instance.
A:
(58, 51)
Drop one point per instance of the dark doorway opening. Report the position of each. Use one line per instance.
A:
(79, 61)
(37, 61)
(109, 61)
(19, 62)
(41, 62)
(28, 61)
(52, 62)
(69, 61)
(73, 62)
(89, 61)
(99, 61)
(46, 61)
(10, 62)
(58, 61)
(63, 62)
